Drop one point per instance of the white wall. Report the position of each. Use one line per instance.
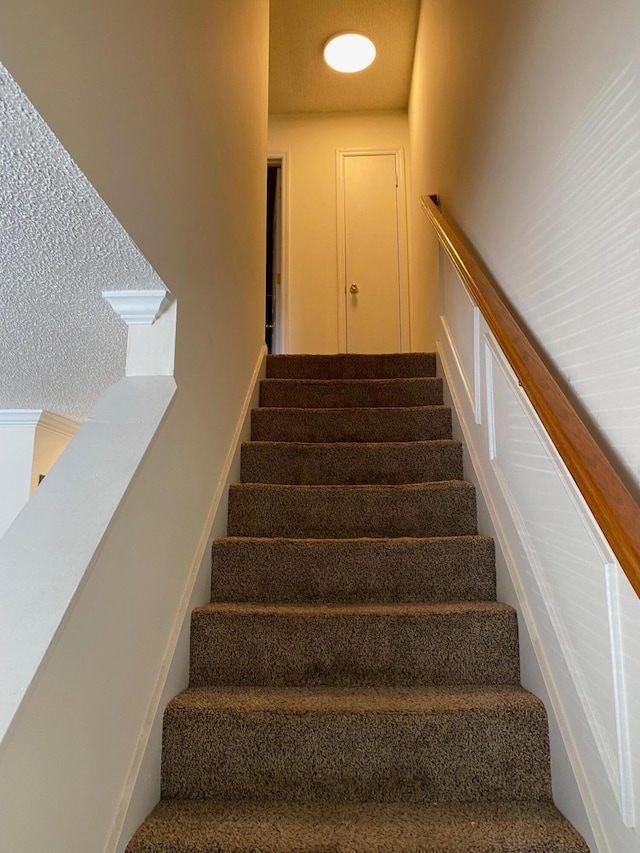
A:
(16, 458)
(164, 107)
(523, 117)
(312, 141)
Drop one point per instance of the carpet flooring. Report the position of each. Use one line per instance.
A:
(354, 684)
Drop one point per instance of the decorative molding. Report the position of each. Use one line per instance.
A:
(56, 423)
(477, 367)
(490, 402)
(137, 307)
(20, 417)
(626, 793)
(474, 376)
(458, 361)
(38, 418)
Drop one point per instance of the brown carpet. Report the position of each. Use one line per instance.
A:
(354, 683)
(351, 464)
(350, 393)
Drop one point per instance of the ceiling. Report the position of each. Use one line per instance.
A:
(299, 80)
(61, 345)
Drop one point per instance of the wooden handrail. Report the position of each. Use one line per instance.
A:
(612, 505)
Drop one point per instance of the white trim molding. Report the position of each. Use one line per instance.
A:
(20, 417)
(137, 307)
(38, 418)
(56, 423)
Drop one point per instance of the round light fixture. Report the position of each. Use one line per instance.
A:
(349, 52)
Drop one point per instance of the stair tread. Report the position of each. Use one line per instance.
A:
(295, 570)
(351, 463)
(354, 645)
(437, 508)
(422, 744)
(421, 700)
(436, 407)
(316, 611)
(357, 446)
(339, 365)
(355, 424)
(387, 541)
(354, 382)
(351, 393)
(196, 826)
(354, 488)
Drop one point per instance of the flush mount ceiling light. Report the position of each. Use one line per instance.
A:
(349, 52)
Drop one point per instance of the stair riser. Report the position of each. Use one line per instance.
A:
(317, 572)
(361, 650)
(358, 425)
(192, 826)
(350, 464)
(383, 757)
(334, 512)
(351, 366)
(373, 393)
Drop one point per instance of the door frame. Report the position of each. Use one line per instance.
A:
(282, 158)
(403, 242)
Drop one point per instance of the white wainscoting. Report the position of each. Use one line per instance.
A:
(578, 607)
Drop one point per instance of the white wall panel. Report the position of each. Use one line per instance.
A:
(574, 601)
(565, 555)
(461, 324)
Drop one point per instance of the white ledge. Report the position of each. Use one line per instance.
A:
(137, 307)
(50, 549)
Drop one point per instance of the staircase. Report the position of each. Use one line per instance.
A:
(354, 683)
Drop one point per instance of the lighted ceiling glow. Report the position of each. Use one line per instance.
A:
(349, 52)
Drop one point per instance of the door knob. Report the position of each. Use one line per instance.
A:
(354, 288)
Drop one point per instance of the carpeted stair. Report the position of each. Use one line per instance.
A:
(354, 683)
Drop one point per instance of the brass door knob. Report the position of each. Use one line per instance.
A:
(354, 288)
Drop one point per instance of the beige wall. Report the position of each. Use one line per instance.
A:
(47, 447)
(164, 106)
(312, 141)
(524, 118)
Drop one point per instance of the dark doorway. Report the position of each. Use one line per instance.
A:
(273, 187)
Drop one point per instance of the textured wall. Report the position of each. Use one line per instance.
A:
(61, 345)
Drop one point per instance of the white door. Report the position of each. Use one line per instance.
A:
(371, 254)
